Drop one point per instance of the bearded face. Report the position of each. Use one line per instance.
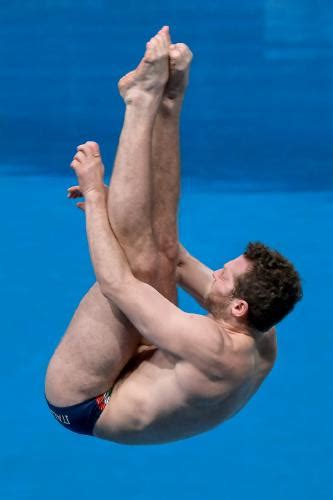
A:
(221, 295)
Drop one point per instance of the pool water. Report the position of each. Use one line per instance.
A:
(257, 152)
(279, 446)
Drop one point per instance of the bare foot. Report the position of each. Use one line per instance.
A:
(152, 73)
(180, 60)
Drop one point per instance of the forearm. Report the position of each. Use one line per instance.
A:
(109, 261)
(185, 261)
(140, 303)
(193, 276)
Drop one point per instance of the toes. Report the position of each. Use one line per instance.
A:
(185, 50)
(151, 51)
(154, 44)
(173, 50)
(174, 47)
(160, 40)
(158, 45)
(166, 31)
(180, 55)
(174, 54)
(164, 39)
(182, 47)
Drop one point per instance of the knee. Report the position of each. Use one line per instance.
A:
(168, 252)
(167, 264)
(145, 267)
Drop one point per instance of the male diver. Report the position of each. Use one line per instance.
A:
(133, 367)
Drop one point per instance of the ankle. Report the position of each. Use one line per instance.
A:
(140, 99)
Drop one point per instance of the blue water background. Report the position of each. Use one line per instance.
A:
(257, 148)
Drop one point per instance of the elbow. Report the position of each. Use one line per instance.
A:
(110, 290)
(114, 290)
(106, 289)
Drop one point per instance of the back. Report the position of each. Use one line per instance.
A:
(161, 398)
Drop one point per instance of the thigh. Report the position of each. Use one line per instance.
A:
(97, 345)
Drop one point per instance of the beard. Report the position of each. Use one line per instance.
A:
(218, 305)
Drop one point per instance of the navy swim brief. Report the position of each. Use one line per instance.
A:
(81, 417)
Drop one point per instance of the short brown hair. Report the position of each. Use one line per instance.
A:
(271, 287)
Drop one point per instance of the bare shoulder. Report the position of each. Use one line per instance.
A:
(221, 355)
(242, 356)
(204, 347)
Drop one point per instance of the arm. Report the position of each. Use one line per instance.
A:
(193, 276)
(191, 337)
(157, 319)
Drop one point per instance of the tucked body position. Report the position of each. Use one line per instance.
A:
(133, 367)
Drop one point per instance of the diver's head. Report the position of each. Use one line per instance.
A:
(256, 290)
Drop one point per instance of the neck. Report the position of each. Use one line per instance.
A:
(235, 327)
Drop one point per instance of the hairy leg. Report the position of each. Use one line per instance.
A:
(130, 199)
(98, 343)
(166, 169)
(99, 340)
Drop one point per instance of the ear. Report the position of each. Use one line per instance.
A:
(240, 308)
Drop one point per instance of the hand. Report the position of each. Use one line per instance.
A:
(89, 168)
(74, 192)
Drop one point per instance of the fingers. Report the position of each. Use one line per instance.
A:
(75, 163)
(73, 188)
(81, 205)
(77, 159)
(89, 169)
(90, 148)
(74, 192)
(79, 156)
